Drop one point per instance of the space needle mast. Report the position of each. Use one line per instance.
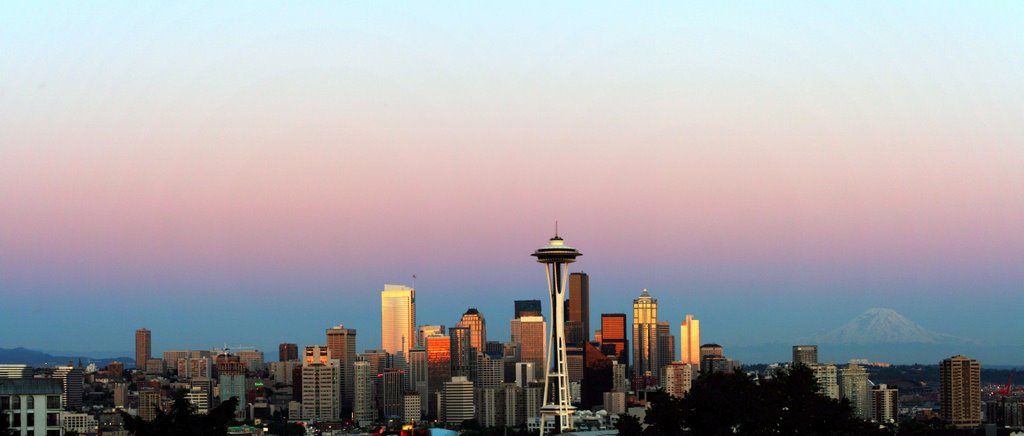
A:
(557, 256)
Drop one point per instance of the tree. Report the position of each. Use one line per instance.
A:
(181, 419)
(725, 404)
(629, 425)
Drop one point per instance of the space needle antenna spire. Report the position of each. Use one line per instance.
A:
(556, 256)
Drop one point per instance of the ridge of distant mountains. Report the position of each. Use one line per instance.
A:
(882, 335)
(40, 359)
(884, 326)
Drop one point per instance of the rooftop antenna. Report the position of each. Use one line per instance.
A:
(556, 228)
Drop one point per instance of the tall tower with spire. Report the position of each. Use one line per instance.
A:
(556, 256)
(645, 340)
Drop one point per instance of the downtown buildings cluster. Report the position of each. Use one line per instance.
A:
(433, 374)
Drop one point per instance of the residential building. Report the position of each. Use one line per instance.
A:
(960, 391)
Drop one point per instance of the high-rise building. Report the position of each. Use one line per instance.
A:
(853, 385)
(397, 318)
(321, 388)
(412, 409)
(689, 340)
(960, 391)
(149, 403)
(389, 400)
(173, 358)
(362, 404)
(825, 373)
(620, 380)
(417, 369)
(530, 334)
(676, 378)
(462, 352)
(72, 380)
(712, 356)
(613, 336)
(805, 354)
(15, 370)
(232, 383)
(490, 371)
(645, 339)
(198, 398)
(287, 352)
(143, 348)
(527, 308)
(316, 354)
(666, 345)
(597, 375)
(884, 403)
(577, 321)
(425, 331)
(341, 345)
(457, 401)
(439, 368)
(474, 321)
(253, 360)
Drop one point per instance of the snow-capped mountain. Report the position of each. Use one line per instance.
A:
(884, 326)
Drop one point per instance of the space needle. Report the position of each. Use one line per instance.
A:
(557, 256)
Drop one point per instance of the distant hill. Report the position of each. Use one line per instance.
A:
(884, 326)
(41, 359)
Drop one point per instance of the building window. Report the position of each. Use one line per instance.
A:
(16, 420)
(16, 402)
(5, 402)
(51, 419)
(52, 432)
(30, 402)
(53, 401)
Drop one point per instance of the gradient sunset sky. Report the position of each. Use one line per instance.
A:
(255, 172)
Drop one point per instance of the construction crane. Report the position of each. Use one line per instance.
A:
(1007, 390)
(227, 349)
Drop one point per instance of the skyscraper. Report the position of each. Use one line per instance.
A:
(666, 345)
(321, 387)
(397, 318)
(805, 354)
(645, 339)
(853, 385)
(428, 330)
(577, 322)
(613, 336)
(286, 352)
(439, 368)
(527, 308)
(474, 321)
(72, 380)
(362, 404)
(960, 391)
(461, 351)
(143, 348)
(457, 401)
(689, 340)
(341, 345)
(530, 334)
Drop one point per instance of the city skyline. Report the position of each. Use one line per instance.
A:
(261, 173)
